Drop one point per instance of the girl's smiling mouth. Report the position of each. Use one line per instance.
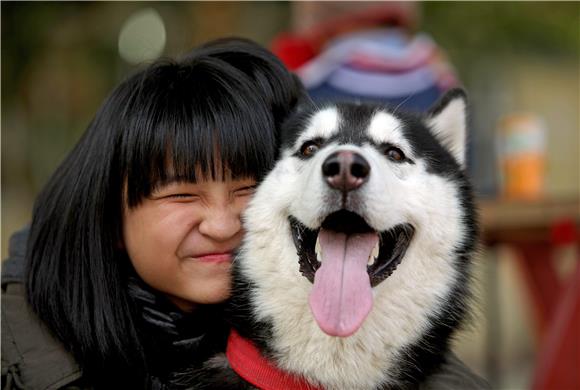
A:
(214, 258)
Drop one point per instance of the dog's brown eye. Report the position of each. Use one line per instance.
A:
(395, 154)
(309, 148)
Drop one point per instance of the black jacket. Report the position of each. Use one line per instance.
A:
(33, 358)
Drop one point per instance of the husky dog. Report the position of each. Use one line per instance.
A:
(354, 270)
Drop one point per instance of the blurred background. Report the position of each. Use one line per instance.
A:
(519, 62)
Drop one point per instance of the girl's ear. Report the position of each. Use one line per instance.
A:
(447, 120)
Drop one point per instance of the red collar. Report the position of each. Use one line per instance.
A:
(247, 362)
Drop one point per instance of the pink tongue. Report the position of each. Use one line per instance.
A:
(342, 296)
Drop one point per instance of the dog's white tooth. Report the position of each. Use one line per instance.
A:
(374, 254)
(318, 250)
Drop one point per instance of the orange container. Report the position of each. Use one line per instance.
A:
(522, 158)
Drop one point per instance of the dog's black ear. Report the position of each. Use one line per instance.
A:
(447, 120)
(304, 101)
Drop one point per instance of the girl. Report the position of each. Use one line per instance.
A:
(129, 250)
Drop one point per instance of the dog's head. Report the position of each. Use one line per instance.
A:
(366, 203)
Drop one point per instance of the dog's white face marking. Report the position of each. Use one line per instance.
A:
(385, 128)
(322, 125)
(395, 193)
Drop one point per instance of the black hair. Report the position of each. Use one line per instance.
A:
(218, 108)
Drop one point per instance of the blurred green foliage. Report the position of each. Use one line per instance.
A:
(464, 29)
(549, 28)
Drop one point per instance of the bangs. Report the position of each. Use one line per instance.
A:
(200, 120)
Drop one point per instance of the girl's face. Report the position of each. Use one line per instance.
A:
(181, 238)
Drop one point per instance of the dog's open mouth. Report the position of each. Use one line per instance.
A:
(383, 260)
(344, 260)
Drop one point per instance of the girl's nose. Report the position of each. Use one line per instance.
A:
(221, 224)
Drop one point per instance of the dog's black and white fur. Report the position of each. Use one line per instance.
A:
(397, 175)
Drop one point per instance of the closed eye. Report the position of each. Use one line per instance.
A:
(181, 196)
(245, 191)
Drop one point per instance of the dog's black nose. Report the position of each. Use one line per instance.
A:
(345, 170)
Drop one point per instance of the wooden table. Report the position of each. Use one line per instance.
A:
(535, 231)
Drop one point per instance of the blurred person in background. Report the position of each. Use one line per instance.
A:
(365, 51)
(119, 279)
